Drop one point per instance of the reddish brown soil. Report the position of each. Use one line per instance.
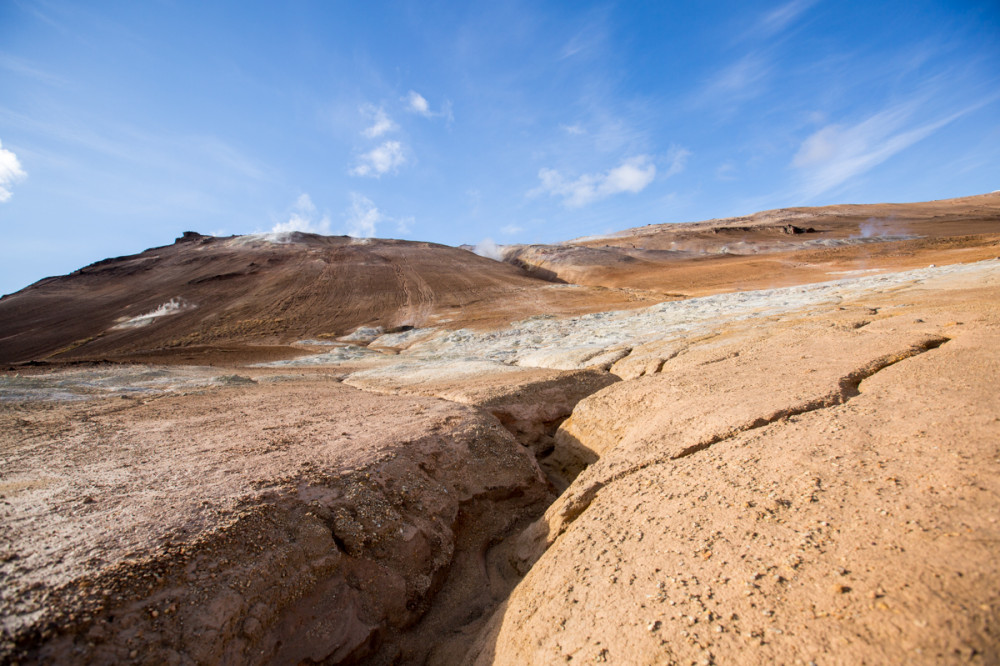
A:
(682, 260)
(245, 298)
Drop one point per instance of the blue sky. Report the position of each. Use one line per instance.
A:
(123, 124)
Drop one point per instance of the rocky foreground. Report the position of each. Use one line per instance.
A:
(802, 474)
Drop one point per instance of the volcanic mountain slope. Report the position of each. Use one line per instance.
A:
(773, 248)
(203, 299)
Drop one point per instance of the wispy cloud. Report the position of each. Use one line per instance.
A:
(633, 175)
(678, 158)
(303, 217)
(227, 156)
(418, 104)
(27, 69)
(837, 153)
(726, 171)
(590, 37)
(362, 217)
(740, 81)
(404, 225)
(10, 172)
(575, 129)
(511, 229)
(386, 158)
(381, 122)
(181, 154)
(779, 19)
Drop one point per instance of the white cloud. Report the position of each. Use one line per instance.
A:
(633, 175)
(726, 171)
(381, 122)
(740, 81)
(10, 172)
(386, 158)
(404, 225)
(303, 217)
(511, 229)
(417, 103)
(836, 153)
(362, 217)
(475, 202)
(575, 129)
(27, 69)
(588, 39)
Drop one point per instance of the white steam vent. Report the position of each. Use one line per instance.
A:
(487, 248)
(173, 306)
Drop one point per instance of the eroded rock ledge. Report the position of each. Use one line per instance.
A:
(288, 523)
(820, 488)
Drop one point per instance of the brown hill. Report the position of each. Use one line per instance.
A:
(774, 248)
(209, 300)
(206, 299)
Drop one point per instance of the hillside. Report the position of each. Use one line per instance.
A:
(207, 299)
(774, 248)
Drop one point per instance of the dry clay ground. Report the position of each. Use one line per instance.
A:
(820, 484)
(821, 489)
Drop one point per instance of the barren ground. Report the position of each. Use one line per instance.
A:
(500, 469)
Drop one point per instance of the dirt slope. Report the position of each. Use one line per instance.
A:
(774, 248)
(246, 298)
(804, 474)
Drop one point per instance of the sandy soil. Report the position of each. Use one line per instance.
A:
(822, 489)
